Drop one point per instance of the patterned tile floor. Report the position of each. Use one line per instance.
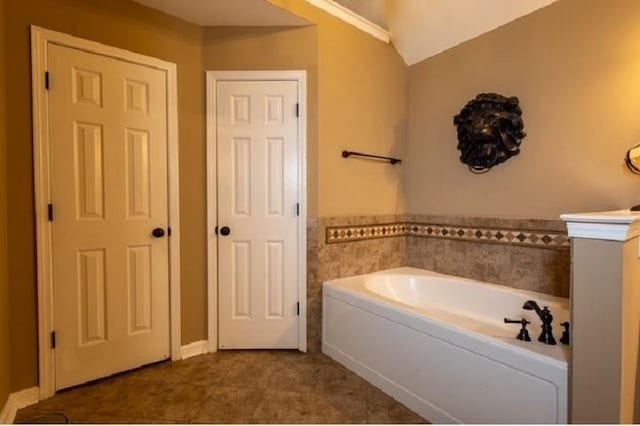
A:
(230, 387)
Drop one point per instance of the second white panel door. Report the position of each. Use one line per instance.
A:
(258, 192)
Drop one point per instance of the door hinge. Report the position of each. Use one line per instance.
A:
(47, 80)
(50, 212)
(53, 340)
(297, 209)
(297, 110)
(298, 308)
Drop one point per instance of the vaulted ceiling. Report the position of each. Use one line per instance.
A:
(423, 28)
(419, 28)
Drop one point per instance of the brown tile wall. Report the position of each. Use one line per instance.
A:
(544, 270)
(330, 261)
(539, 269)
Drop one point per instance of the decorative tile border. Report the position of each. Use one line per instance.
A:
(343, 234)
(531, 238)
(522, 237)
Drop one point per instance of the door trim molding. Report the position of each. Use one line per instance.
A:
(40, 39)
(212, 193)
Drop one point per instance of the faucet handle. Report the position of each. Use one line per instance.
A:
(516, 321)
(524, 333)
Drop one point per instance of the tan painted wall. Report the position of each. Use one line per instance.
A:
(126, 25)
(575, 66)
(273, 48)
(5, 366)
(362, 106)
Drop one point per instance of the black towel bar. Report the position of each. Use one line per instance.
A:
(391, 160)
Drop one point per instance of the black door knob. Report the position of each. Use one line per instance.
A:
(158, 232)
(225, 230)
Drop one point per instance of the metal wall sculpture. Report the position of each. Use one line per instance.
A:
(490, 131)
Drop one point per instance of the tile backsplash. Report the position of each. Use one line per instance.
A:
(532, 254)
(529, 254)
(330, 261)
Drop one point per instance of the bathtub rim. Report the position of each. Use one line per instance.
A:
(410, 270)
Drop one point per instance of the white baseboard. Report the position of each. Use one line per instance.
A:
(17, 401)
(194, 349)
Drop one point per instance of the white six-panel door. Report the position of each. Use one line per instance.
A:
(258, 196)
(108, 167)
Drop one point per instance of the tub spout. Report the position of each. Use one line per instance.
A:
(546, 336)
(532, 305)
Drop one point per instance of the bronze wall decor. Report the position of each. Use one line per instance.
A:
(490, 131)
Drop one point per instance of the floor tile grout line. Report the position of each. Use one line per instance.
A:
(204, 402)
(255, 410)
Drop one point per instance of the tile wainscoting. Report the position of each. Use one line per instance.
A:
(529, 254)
(330, 261)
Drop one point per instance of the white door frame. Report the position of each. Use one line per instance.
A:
(212, 193)
(40, 40)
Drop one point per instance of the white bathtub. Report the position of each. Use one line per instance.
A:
(438, 344)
